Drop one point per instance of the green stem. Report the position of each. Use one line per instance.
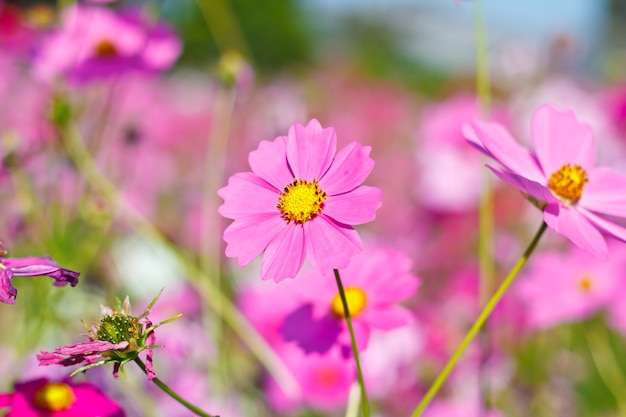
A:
(355, 350)
(478, 324)
(173, 394)
(606, 363)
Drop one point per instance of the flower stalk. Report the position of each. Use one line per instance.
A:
(355, 350)
(478, 324)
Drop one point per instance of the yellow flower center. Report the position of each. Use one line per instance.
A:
(585, 284)
(106, 49)
(356, 298)
(300, 201)
(567, 183)
(54, 396)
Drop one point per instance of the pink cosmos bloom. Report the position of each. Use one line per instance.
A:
(575, 195)
(96, 42)
(118, 338)
(44, 398)
(564, 287)
(300, 201)
(374, 283)
(31, 267)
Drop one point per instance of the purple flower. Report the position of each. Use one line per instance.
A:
(578, 198)
(118, 338)
(31, 267)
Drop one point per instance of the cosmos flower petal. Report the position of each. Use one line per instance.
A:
(248, 236)
(608, 226)
(525, 185)
(93, 346)
(350, 168)
(284, 256)
(576, 227)
(389, 317)
(310, 150)
(600, 195)
(330, 245)
(560, 138)
(355, 207)
(236, 195)
(7, 291)
(268, 161)
(496, 142)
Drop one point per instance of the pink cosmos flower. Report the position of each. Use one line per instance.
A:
(565, 287)
(44, 398)
(31, 267)
(374, 283)
(96, 42)
(118, 338)
(576, 196)
(300, 201)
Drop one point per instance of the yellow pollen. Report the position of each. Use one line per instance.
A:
(585, 284)
(300, 201)
(356, 298)
(106, 49)
(567, 183)
(54, 396)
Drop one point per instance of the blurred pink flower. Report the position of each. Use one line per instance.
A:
(374, 282)
(299, 202)
(31, 267)
(44, 398)
(96, 42)
(575, 195)
(564, 287)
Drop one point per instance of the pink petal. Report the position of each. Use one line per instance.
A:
(248, 236)
(500, 145)
(247, 194)
(560, 138)
(87, 348)
(269, 161)
(330, 245)
(539, 191)
(6, 400)
(605, 192)
(284, 255)
(355, 207)
(573, 225)
(310, 150)
(350, 168)
(606, 225)
(389, 317)
(393, 289)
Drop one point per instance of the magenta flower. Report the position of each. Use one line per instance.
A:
(300, 201)
(96, 42)
(44, 398)
(31, 267)
(118, 338)
(576, 196)
(375, 282)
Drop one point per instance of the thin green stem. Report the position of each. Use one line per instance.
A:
(606, 363)
(478, 324)
(355, 350)
(173, 393)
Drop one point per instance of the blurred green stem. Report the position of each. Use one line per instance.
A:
(86, 165)
(478, 324)
(355, 349)
(173, 393)
(599, 341)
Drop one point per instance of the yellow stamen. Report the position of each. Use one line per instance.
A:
(54, 396)
(356, 298)
(106, 49)
(585, 284)
(300, 201)
(567, 183)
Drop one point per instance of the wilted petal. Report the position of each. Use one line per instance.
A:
(91, 347)
(7, 291)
